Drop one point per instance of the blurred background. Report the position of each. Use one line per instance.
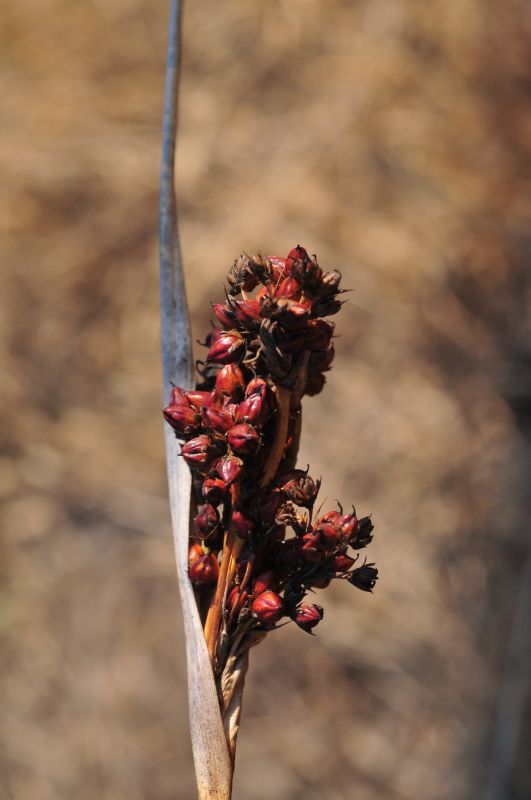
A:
(392, 138)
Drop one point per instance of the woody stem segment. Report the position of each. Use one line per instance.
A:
(283, 398)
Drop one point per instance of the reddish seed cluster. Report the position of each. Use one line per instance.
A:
(272, 341)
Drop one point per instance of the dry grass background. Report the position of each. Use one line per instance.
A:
(392, 138)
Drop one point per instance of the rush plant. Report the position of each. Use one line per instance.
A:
(251, 541)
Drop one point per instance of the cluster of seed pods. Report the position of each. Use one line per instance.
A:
(239, 431)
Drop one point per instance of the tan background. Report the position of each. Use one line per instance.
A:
(391, 138)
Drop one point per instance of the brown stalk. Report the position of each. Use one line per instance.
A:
(231, 550)
(283, 401)
(232, 546)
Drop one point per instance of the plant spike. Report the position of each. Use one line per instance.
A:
(256, 547)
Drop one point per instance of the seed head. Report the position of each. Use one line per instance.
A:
(240, 432)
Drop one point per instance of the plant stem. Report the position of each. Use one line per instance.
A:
(283, 398)
(231, 550)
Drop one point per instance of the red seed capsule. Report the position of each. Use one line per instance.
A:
(312, 549)
(217, 419)
(290, 288)
(197, 452)
(332, 516)
(203, 567)
(257, 386)
(268, 607)
(243, 439)
(179, 413)
(308, 615)
(348, 526)
(177, 397)
(294, 256)
(214, 490)
(242, 525)
(199, 399)
(253, 409)
(247, 312)
(227, 349)
(224, 314)
(230, 381)
(229, 469)
(184, 419)
(256, 406)
(264, 582)
(206, 520)
(237, 599)
(342, 562)
(328, 534)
